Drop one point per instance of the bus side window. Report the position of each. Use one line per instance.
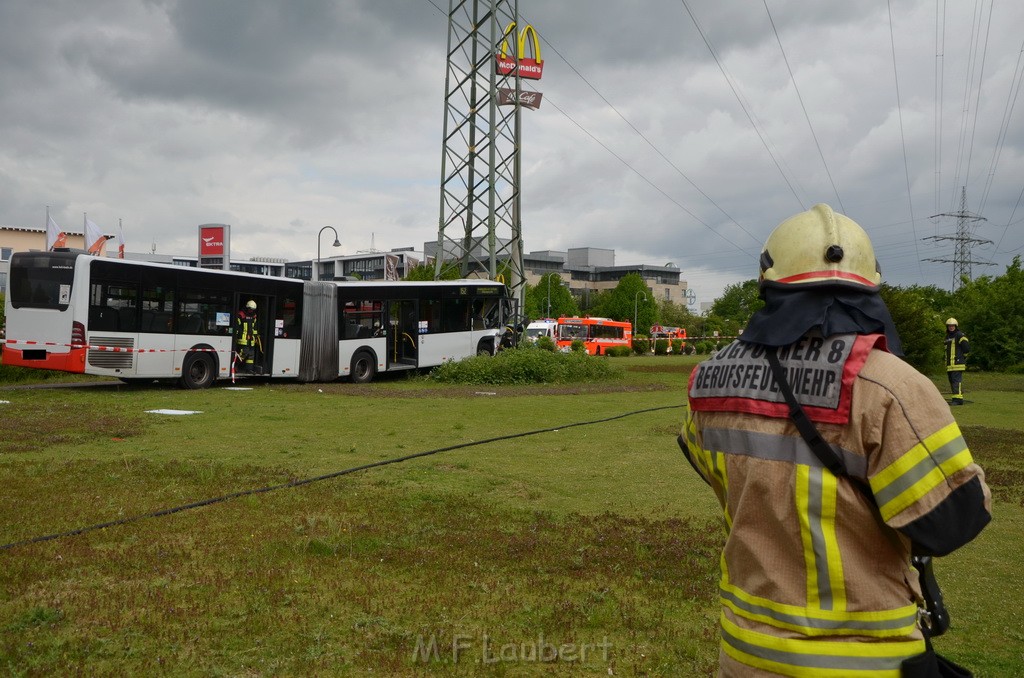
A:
(456, 314)
(128, 319)
(191, 323)
(102, 319)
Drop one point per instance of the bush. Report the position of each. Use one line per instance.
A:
(618, 351)
(578, 346)
(678, 346)
(641, 346)
(526, 365)
(660, 346)
(546, 343)
(704, 347)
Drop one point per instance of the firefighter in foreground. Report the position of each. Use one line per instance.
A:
(247, 336)
(957, 348)
(816, 570)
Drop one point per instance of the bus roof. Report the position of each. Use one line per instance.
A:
(76, 254)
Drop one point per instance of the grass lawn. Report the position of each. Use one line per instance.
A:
(594, 547)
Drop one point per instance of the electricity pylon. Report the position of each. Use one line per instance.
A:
(963, 240)
(479, 224)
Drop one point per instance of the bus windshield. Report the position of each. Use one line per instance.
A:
(42, 280)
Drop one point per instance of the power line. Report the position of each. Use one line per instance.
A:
(646, 140)
(903, 140)
(965, 109)
(977, 98)
(804, 108)
(736, 94)
(644, 177)
(940, 49)
(1010, 220)
(1011, 100)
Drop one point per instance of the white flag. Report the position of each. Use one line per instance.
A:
(120, 240)
(94, 238)
(55, 235)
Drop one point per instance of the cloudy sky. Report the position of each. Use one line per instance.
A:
(671, 130)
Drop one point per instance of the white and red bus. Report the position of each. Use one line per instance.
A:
(597, 334)
(142, 321)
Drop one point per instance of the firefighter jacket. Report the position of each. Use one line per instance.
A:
(957, 349)
(816, 577)
(245, 328)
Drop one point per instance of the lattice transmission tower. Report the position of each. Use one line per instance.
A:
(479, 224)
(963, 242)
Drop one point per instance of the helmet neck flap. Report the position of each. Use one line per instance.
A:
(789, 314)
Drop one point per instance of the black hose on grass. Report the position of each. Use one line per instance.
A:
(315, 479)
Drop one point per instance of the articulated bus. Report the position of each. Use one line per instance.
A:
(597, 334)
(141, 321)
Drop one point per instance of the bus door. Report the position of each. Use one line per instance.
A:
(266, 306)
(404, 332)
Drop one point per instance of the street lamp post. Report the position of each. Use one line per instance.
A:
(549, 294)
(560, 282)
(636, 298)
(337, 243)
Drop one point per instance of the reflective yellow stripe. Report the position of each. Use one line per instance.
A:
(899, 622)
(722, 474)
(803, 482)
(834, 559)
(920, 470)
(812, 658)
(816, 507)
(712, 466)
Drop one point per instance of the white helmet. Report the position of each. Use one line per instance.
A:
(952, 321)
(816, 248)
(250, 304)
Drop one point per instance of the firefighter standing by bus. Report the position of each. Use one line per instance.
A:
(816, 569)
(957, 348)
(247, 336)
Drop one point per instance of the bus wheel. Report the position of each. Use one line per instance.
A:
(363, 368)
(197, 371)
(485, 348)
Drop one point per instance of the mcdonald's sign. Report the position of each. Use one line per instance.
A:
(529, 68)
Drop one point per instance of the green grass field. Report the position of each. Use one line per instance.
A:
(592, 547)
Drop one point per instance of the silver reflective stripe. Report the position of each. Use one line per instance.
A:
(816, 661)
(774, 447)
(814, 508)
(920, 470)
(806, 622)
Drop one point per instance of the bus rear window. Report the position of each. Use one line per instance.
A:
(41, 280)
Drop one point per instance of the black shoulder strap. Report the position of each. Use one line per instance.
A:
(807, 429)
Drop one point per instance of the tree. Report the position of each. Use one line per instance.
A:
(425, 272)
(732, 311)
(677, 315)
(916, 312)
(562, 301)
(629, 296)
(991, 314)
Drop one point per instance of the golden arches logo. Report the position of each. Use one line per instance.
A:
(530, 68)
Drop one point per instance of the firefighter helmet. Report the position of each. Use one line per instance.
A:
(952, 321)
(250, 304)
(816, 248)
